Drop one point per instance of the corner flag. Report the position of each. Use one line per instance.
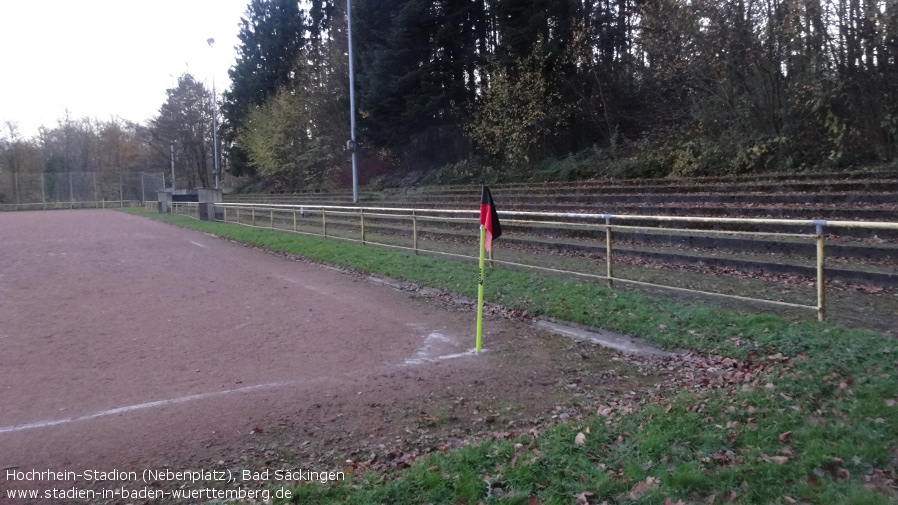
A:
(488, 217)
(489, 229)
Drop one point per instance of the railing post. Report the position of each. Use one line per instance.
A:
(253, 215)
(271, 219)
(323, 223)
(362, 221)
(237, 210)
(294, 220)
(821, 259)
(224, 214)
(415, 232)
(608, 258)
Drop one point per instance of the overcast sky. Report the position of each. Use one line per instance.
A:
(104, 58)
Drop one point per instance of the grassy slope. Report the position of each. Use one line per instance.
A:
(816, 428)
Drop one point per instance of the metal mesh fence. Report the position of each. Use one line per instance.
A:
(77, 189)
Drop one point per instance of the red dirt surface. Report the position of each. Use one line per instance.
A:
(129, 344)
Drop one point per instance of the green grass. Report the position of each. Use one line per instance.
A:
(831, 395)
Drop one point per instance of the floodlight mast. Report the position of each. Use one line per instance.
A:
(172, 147)
(215, 167)
(353, 148)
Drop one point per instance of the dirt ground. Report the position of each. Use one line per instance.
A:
(128, 344)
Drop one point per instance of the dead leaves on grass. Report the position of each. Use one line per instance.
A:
(641, 488)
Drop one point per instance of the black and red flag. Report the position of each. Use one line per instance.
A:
(489, 218)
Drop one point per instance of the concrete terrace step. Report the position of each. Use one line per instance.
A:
(779, 178)
(855, 197)
(881, 185)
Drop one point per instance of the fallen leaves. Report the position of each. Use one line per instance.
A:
(780, 460)
(834, 469)
(881, 482)
(584, 498)
(641, 488)
(724, 457)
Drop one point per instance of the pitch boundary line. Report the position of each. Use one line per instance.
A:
(140, 406)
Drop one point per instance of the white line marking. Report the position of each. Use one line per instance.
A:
(197, 244)
(307, 286)
(315, 289)
(139, 406)
(418, 361)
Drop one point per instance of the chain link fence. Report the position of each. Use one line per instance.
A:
(54, 190)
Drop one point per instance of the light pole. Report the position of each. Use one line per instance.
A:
(172, 146)
(352, 145)
(215, 169)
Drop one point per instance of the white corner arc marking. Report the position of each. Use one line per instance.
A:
(425, 353)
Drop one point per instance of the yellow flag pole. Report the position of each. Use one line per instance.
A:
(480, 291)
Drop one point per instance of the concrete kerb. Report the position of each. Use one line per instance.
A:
(611, 340)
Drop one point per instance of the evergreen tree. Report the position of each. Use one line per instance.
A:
(185, 119)
(418, 60)
(272, 34)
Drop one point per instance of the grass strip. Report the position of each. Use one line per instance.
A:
(818, 426)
